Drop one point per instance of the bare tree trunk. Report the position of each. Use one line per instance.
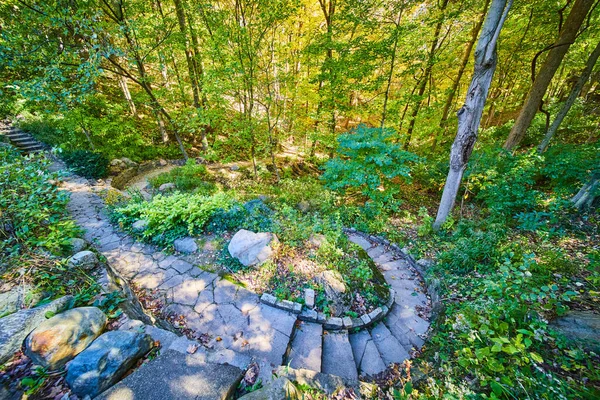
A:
(426, 75)
(556, 53)
(391, 71)
(469, 116)
(461, 70)
(127, 95)
(587, 194)
(575, 92)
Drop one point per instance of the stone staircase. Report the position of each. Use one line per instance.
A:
(23, 141)
(368, 352)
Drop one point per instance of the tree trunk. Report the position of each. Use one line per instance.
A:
(575, 92)
(391, 71)
(469, 116)
(587, 194)
(566, 37)
(127, 95)
(461, 70)
(426, 75)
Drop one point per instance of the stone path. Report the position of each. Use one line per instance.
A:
(242, 330)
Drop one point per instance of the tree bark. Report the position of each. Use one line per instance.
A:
(575, 92)
(469, 116)
(391, 71)
(461, 70)
(566, 37)
(587, 194)
(127, 95)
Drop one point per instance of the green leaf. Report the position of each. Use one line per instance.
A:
(536, 357)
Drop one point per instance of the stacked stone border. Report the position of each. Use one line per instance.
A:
(421, 266)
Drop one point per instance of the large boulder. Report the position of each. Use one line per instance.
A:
(84, 259)
(185, 245)
(62, 337)
(19, 297)
(120, 181)
(252, 249)
(106, 360)
(15, 327)
(335, 290)
(116, 166)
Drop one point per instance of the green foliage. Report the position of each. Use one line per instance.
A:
(190, 177)
(173, 216)
(368, 160)
(32, 209)
(86, 163)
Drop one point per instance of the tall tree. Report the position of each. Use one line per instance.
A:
(469, 116)
(461, 70)
(575, 92)
(556, 53)
(426, 73)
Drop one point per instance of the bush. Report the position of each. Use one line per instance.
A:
(87, 163)
(190, 177)
(32, 209)
(368, 161)
(173, 216)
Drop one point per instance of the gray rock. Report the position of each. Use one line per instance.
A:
(120, 181)
(139, 226)
(281, 388)
(106, 360)
(234, 167)
(116, 166)
(334, 323)
(317, 240)
(309, 298)
(425, 263)
(335, 290)
(174, 375)
(128, 162)
(252, 249)
(77, 245)
(15, 327)
(185, 245)
(84, 259)
(60, 338)
(328, 384)
(581, 327)
(18, 297)
(165, 187)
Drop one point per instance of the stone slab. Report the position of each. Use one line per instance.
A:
(307, 347)
(337, 356)
(174, 375)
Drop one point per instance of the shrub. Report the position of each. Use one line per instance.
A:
(87, 163)
(32, 209)
(173, 216)
(368, 161)
(190, 177)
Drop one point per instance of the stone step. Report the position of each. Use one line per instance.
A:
(307, 347)
(389, 347)
(16, 136)
(24, 141)
(407, 326)
(361, 241)
(367, 357)
(174, 375)
(337, 356)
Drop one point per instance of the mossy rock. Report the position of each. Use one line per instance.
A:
(120, 181)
